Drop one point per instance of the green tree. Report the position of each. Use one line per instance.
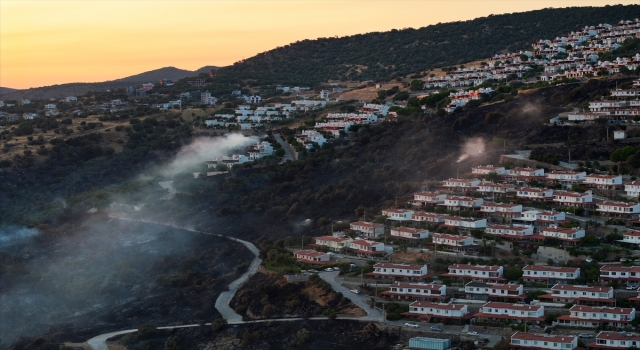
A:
(416, 85)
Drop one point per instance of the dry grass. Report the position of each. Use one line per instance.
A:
(365, 94)
(409, 257)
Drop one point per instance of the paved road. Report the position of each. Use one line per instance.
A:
(288, 155)
(222, 302)
(373, 314)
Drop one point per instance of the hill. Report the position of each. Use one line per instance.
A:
(383, 55)
(78, 89)
(6, 90)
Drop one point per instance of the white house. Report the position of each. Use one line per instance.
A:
(486, 169)
(632, 189)
(615, 341)
(535, 193)
(399, 271)
(432, 218)
(398, 214)
(526, 172)
(428, 311)
(593, 317)
(540, 218)
(580, 295)
(312, 257)
(26, 101)
(229, 161)
(515, 232)
(310, 137)
(333, 243)
(632, 237)
(428, 198)
(259, 150)
(545, 341)
(366, 247)
(621, 274)
(475, 272)
(408, 233)
(506, 312)
(476, 290)
(369, 229)
(465, 224)
(455, 202)
(254, 99)
(416, 291)
(603, 181)
(567, 198)
(460, 184)
(571, 235)
(501, 209)
(567, 178)
(549, 274)
(495, 189)
(50, 106)
(618, 208)
(71, 99)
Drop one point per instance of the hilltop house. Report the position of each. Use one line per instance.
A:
(399, 271)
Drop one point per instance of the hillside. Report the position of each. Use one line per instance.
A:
(383, 55)
(6, 90)
(78, 89)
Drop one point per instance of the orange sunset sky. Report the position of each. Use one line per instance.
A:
(54, 42)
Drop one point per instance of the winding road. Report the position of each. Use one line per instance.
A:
(222, 303)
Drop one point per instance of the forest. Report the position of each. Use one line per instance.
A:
(384, 55)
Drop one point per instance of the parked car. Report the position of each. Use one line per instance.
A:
(472, 333)
(355, 291)
(328, 269)
(436, 328)
(623, 259)
(411, 324)
(631, 287)
(314, 271)
(588, 260)
(585, 335)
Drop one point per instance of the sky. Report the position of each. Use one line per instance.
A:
(53, 42)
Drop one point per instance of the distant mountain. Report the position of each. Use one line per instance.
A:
(171, 73)
(383, 55)
(6, 90)
(77, 89)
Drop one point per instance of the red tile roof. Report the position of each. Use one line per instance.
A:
(519, 307)
(549, 268)
(437, 305)
(398, 266)
(543, 337)
(475, 267)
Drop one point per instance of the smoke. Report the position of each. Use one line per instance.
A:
(9, 234)
(473, 147)
(203, 149)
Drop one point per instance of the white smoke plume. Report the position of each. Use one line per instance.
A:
(9, 234)
(203, 149)
(473, 147)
